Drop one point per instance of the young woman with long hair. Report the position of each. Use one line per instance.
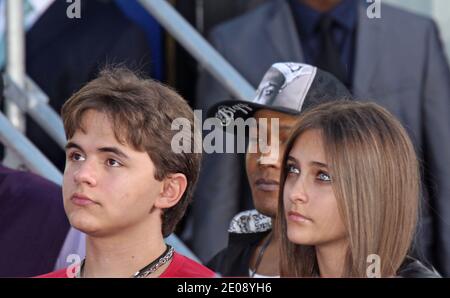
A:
(349, 200)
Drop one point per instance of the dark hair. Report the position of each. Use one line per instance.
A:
(141, 111)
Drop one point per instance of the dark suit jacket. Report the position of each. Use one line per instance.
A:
(399, 64)
(33, 224)
(63, 54)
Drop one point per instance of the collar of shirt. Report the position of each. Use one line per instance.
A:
(345, 14)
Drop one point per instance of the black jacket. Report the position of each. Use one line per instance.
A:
(234, 260)
(246, 230)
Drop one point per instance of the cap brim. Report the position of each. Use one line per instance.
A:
(247, 112)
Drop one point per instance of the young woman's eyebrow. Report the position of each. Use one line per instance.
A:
(319, 164)
(312, 163)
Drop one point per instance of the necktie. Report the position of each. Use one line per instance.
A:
(329, 58)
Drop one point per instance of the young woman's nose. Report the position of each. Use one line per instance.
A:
(298, 193)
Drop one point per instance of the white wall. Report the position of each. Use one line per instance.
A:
(439, 10)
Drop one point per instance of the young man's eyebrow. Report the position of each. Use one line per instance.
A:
(71, 145)
(291, 158)
(114, 150)
(280, 127)
(286, 127)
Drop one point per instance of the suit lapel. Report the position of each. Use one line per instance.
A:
(367, 52)
(282, 33)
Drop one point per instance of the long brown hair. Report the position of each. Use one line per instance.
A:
(375, 177)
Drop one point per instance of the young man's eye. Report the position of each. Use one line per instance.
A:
(292, 169)
(113, 163)
(322, 176)
(74, 156)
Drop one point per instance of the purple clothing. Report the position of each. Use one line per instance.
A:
(33, 224)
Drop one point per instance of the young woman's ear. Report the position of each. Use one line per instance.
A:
(173, 189)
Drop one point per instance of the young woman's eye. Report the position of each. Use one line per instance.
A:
(322, 176)
(292, 169)
(113, 163)
(74, 156)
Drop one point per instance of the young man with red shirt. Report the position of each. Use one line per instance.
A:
(123, 184)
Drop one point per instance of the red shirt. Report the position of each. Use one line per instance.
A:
(180, 266)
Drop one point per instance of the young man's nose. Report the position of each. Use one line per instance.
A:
(270, 156)
(86, 173)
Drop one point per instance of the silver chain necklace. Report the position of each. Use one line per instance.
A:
(150, 268)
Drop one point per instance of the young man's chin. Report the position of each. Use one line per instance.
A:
(84, 224)
(266, 204)
(269, 211)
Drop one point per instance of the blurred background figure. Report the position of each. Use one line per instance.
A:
(33, 224)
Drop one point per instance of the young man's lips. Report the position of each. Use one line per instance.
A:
(266, 184)
(297, 217)
(81, 200)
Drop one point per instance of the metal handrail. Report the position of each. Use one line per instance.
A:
(199, 48)
(31, 156)
(34, 101)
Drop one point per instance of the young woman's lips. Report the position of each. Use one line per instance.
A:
(81, 200)
(297, 217)
(267, 185)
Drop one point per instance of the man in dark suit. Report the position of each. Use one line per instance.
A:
(396, 60)
(62, 54)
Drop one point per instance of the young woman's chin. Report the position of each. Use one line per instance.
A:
(300, 236)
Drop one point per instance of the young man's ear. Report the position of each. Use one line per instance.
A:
(174, 186)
